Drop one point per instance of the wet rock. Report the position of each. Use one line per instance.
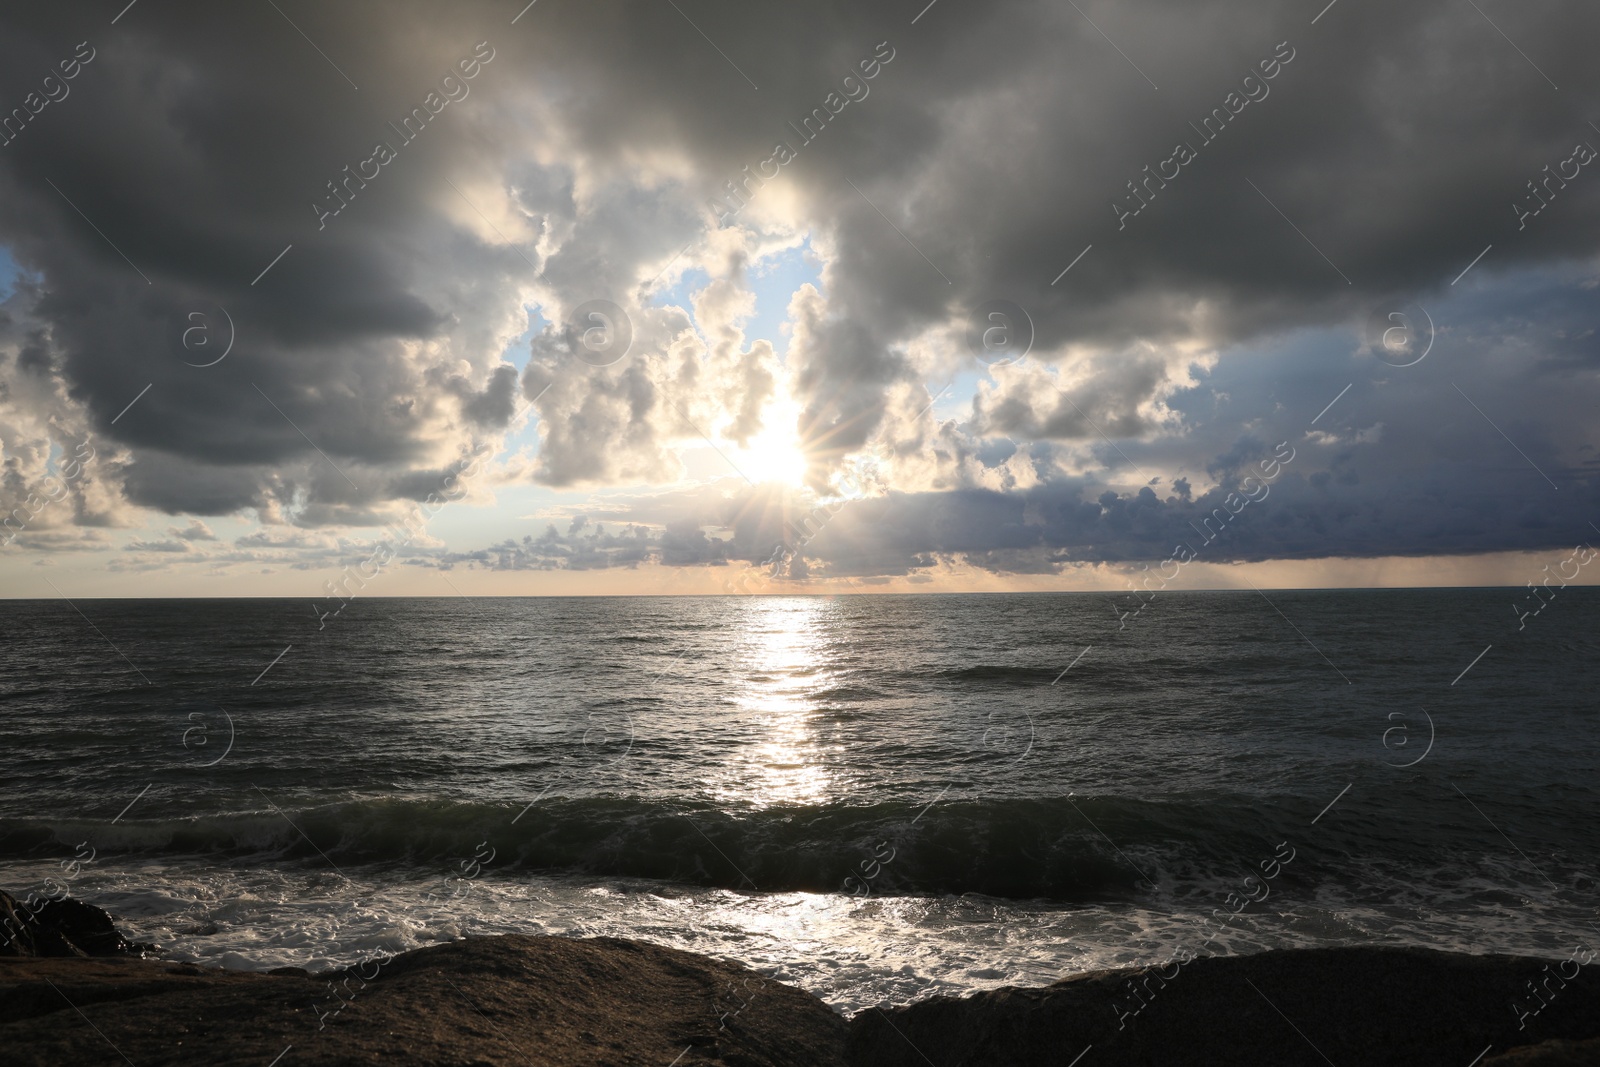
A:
(491, 1001)
(1355, 1007)
(1555, 1053)
(43, 926)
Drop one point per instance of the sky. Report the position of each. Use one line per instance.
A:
(704, 297)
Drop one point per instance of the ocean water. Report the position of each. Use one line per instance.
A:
(874, 797)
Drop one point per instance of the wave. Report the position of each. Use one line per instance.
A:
(1020, 849)
(20, 694)
(850, 694)
(1065, 851)
(996, 674)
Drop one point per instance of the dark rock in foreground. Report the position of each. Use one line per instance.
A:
(1557, 1053)
(483, 1001)
(60, 926)
(560, 1001)
(1354, 1007)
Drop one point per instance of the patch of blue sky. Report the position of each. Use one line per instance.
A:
(9, 272)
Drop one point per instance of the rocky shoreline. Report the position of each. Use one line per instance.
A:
(73, 990)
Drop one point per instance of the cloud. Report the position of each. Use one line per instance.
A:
(195, 531)
(158, 546)
(553, 550)
(612, 413)
(998, 144)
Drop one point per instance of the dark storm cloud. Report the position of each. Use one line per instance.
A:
(991, 150)
(1041, 529)
(194, 146)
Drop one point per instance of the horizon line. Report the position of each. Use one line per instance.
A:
(828, 593)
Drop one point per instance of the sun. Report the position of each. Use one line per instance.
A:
(772, 457)
(774, 454)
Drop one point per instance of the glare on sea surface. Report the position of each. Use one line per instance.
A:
(781, 665)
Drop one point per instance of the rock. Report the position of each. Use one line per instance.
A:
(560, 1001)
(490, 1001)
(1355, 1007)
(1556, 1053)
(60, 927)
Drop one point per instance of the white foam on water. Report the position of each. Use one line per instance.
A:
(851, 952)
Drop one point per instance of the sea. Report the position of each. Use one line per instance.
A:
(875, 797)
